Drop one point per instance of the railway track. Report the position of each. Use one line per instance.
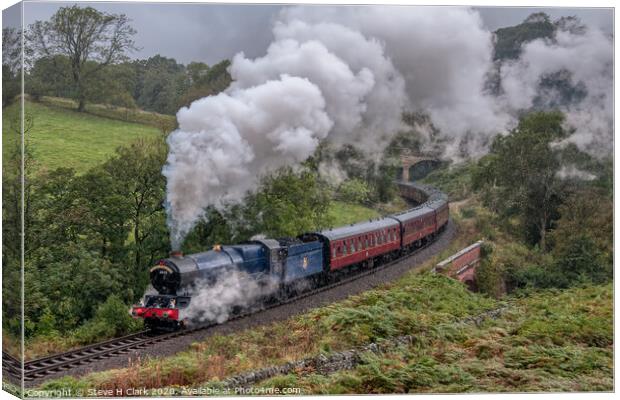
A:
(41, 367)
(44, 366)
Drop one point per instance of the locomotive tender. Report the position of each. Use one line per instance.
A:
(316, 256)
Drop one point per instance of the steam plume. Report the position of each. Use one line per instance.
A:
(309, 86)
(345, 74)
(216, 302)
(585, 59)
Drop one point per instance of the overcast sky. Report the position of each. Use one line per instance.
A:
(211, 32)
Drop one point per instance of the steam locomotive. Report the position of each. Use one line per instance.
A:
(315, 257)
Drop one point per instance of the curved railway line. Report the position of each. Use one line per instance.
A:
(42, 367)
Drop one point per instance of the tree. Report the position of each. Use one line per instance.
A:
(510, 40)
(136, 172)
(589, 213)
(205, 81)
(104, 217)
(520, 175)
(50, 76)
(11, 64)
(354, 191)
(83, 35)
(287, 204)
(159, 83)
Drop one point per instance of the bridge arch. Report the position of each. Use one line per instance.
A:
(415, 167)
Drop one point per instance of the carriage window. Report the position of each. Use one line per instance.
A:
(352, 246)
(335, 252)
(344, 248)
(366, 242)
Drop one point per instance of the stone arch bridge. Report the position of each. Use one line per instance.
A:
(415, 167)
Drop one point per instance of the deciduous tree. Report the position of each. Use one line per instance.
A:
(521, 173)
(83, 35)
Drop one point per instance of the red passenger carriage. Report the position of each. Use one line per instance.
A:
(361, 243)
(416, 224)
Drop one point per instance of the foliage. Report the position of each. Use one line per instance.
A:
(587, 212)
(548, 341)
(581, 260)
(288, 204)
(455, 180)
(112, 319)
(205, 81)
(354, 191)
(89, 38)
(111, 230)
(13, 214)
(137, 171)
(159, 83)
(50, 75)
(352, 163)
(414, 305)
(510, 40)
(11, 65)
(520, 174)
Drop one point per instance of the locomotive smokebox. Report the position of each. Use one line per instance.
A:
(176, 254)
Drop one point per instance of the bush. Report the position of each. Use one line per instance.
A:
(354, 191)
(490, 275)
(580, 262)
(583, 261)
(115, 313)
(111, 319)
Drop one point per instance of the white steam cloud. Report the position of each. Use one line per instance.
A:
(572, 172)
(584, 59)
(217, 302)
(443, 53)
(309, 86)
(346, 74)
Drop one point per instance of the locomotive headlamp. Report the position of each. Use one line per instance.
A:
(217, 247)
(165, 315)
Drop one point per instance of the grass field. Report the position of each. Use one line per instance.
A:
(119, 113)
(65, 138)
(341, 213)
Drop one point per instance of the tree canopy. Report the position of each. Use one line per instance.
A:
(83, 35)
(520, 174)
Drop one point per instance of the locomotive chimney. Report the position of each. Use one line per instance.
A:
(176, 254)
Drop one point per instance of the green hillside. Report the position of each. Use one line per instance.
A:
(341, 213)
(464, 342)
(65, 138)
